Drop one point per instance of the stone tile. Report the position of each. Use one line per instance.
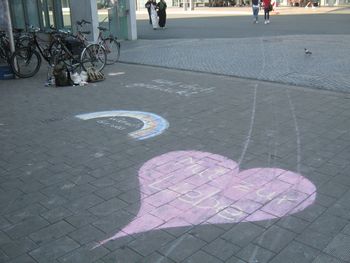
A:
(338, 210)
(23, 259)
(118, 243)
(81, 219)
(201, 256)
(328, 224)
(242, 234)
(265, 223)
(333, 189)
(296, 252)
(108, 207)
(108, 192)
(324, 258)
(31, 186)
(87, 234)
(3, 256)
(314, 238)
(325, 200)
(113, 222)
(52, 232)
(346, 230)
(182, 247)
(235, 260)
(85, 254)
(206, 232)
(275, 238)
(311, 213)
(54, 202)
(147, 243)
(130, 196)
(156, 257)
(84, 203)
(339, 247)
(23, 201)
(25, 213)
(4, 223)
(103, 182)
(292, 223)
(4, 238)
(122, 255)
(56, 214)
(253, 253)
(221, 249)
(26, 227)
(53, 250)
(15, 248)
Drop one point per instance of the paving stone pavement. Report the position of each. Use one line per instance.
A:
(233, 169)
(67, 184)
(272, 58)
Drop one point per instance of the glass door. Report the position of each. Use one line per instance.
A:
(40, 13)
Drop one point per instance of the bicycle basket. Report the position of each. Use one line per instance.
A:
(74, 45)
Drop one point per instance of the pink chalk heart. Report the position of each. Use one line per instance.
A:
(186, 188)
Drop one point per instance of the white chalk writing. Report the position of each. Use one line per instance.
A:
(172, 87)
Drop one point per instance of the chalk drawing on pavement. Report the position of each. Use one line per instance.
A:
(173, 87)
(185, 188)
(153, 124)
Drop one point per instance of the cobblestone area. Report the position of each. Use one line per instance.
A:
(241, 170)
(279, 59)
(66, 184)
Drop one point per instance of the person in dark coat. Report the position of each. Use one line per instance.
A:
(162, 13)
(148, 6)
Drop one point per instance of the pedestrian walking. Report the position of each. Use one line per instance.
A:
(256, 6)
(162, 13)
(267, 9)
(154, 14)
(148, 6)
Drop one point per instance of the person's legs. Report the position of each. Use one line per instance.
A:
(149, 15)
(255, 14)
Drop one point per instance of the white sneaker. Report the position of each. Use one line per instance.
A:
(265, 22)
(268, 21)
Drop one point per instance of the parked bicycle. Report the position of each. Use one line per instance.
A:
(24, 62)
(110, 43)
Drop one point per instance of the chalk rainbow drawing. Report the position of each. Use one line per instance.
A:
(153, 124)
(185, 188)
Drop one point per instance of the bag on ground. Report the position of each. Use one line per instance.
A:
(62, 75)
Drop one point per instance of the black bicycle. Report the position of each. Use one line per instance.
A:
(24, 62)
(110, 44)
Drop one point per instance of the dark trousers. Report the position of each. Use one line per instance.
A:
(149, 15)
(267, 14)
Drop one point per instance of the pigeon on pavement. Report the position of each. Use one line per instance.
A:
(307, 52)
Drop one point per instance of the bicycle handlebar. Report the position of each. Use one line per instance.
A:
(82, 22)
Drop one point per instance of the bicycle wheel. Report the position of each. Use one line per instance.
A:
(25, 62)
(93, 56)
(112, 47)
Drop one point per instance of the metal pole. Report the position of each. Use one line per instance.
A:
(9, 25)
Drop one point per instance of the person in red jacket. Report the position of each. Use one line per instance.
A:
(267, 9)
